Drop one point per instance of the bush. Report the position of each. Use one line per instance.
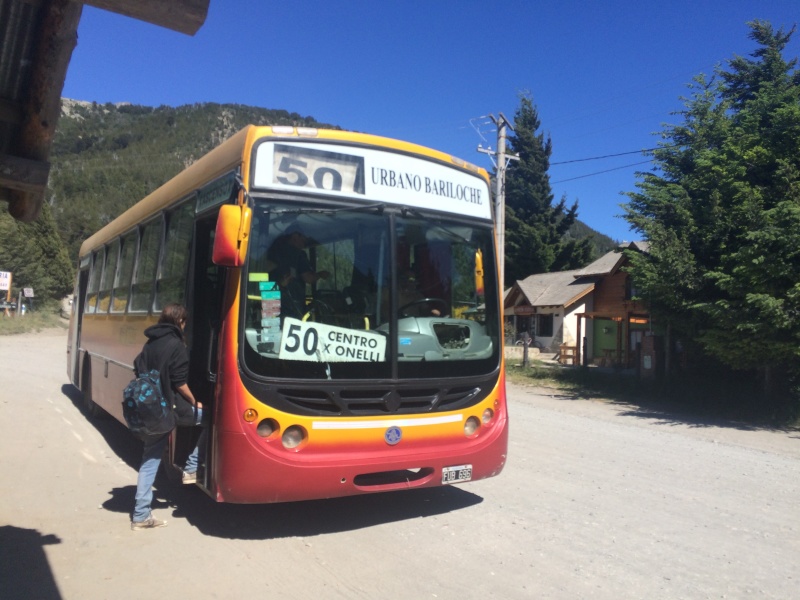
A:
(46, 317)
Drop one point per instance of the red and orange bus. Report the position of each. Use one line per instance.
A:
(385, 372)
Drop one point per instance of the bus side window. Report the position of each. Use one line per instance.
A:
(145, 272)
(122, 281)
(94, 281)
(174, 270)
(107, 281)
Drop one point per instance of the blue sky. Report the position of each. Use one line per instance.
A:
(604, 76)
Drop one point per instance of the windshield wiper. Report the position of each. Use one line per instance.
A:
(377, 207)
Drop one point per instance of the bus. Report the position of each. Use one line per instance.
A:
(345, 314)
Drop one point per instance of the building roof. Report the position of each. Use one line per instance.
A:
(605, 265)
(640, 246)
(567, 287)
(38, 37)
(611, 261)
(554, 289)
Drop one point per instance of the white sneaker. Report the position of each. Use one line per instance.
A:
(150, 523)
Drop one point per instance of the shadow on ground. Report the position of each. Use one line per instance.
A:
(116, 435)
(265, 521)
(661, 411)
(24, 570)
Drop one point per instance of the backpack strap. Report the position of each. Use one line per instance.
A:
(139, 365)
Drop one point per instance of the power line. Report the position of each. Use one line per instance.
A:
(566, 162)
(601, 172)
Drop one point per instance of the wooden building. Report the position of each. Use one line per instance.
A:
(588, 315)
(617, 322)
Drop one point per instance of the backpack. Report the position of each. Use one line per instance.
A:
(144, 407)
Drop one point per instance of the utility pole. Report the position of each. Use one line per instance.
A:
(500, 189)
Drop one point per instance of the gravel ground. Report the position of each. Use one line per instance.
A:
(598, 500)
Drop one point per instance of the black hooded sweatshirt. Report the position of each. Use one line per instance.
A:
(166, 352)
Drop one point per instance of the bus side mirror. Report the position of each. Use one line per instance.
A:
(232, 235)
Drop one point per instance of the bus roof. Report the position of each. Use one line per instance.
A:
(230, 154)
(219, 161)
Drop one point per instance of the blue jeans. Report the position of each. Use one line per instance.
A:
(151, 459)
(195, 458)
(153, 449)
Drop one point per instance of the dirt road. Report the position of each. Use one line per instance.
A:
(597, 501)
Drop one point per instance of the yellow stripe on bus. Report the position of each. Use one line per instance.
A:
(386, 423)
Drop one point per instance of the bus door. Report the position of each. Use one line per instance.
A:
(204, 302)
(74, 349)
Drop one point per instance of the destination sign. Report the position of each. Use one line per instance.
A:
(370, 175)
(317, 342)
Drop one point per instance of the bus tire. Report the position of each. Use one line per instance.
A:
(90, 406)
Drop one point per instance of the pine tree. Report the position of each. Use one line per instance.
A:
(536, 229)
(722, 212)
(36, 256)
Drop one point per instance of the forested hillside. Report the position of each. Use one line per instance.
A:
(106, 157)
(599, 242)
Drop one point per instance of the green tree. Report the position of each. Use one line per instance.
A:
(537, 231)
(36, 256)
(721, 211)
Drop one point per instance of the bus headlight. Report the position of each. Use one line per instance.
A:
(267, 427)
(471, 426)
(293, 437)
(488, 415)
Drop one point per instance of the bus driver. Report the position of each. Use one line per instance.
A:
(293, 269)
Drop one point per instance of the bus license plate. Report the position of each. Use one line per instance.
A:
(457, 474)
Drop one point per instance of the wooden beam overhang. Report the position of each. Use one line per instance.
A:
(41, 107)
(579, 297)
(185, 16)
(48, 31)
(23, 175)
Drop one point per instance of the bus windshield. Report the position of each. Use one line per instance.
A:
(368, 293)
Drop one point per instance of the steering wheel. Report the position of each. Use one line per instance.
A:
(402, 311)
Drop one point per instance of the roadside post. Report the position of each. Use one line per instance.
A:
(28, 292)
(526, 342)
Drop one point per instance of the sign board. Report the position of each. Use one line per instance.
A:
(27, 292)
(370, 175)
(216, 192)
(317, 342)
(5, 280)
